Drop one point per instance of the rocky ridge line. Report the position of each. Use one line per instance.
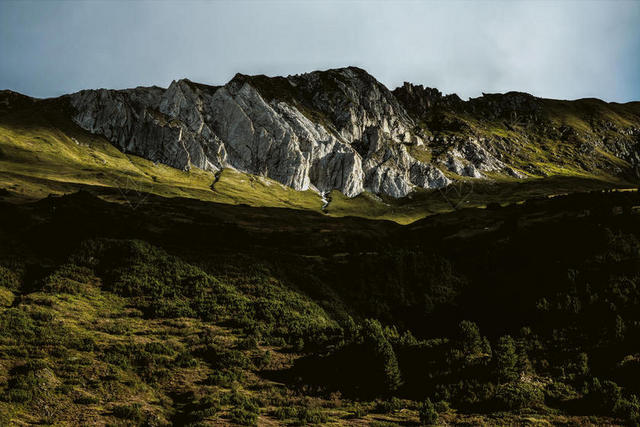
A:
(337, 129)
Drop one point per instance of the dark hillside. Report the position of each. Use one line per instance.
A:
(533, 307)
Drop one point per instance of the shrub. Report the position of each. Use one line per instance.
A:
(248, 343)
(16, 323)
(389, 406)
(603, 397)
(506, 360)
(220, 358)
(169, 308)
(285, 412)
(224, 378)
(201, 409)
(6, 297)
(557, 392)
(245, 413)
(359, 411)
(518, 395)
(27, 381)
(116, 355)
(263, 360)
(629, 410)
(131, 412)
(306, 416)
(41, 315)
(158, 347)
(115, 327)
(184, 359)
(69, 279)
(9, 279)
(19, 395)
(84, 343)
(442, 406)
(87, 400)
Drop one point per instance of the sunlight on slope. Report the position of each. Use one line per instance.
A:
(42, 153)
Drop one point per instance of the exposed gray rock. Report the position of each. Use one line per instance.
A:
(460, 166)
(478, 156)
(427, 176)
(341, 129)
(357, 146)
(514, 173)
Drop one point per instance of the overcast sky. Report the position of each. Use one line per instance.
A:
(552, 49)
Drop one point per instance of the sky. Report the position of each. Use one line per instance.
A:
(553, 49)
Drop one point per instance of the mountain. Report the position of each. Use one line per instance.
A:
(342, 129)
(335, 141)
(203, 255)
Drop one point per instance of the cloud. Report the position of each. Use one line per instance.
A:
(552, 49)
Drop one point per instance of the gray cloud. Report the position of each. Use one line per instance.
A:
(568, 49)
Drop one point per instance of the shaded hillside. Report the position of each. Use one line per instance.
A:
(190, 311)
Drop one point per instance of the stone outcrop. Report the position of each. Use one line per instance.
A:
(339, 129)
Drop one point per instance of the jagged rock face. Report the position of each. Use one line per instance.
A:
(276, 140)
(470, 159)
(341, 129)
(419, 100)
(358, 147)
(133, 122)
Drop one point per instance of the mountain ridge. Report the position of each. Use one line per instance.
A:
(341, 129)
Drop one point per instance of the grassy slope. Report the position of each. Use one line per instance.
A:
(73, 340)
(97, 361)
(93, 384)
(76, 352)
(557, 142)
(464, 194)
(42, 152)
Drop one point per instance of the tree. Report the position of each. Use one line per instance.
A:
(629, 410)
(428, 413)
(506, 359)
(486, 347)
(619, 329)
(470, 339)
(582, 364)
(382, 352)
(523, 363)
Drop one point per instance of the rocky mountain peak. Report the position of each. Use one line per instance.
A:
(342, 129)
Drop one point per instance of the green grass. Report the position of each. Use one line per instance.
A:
(467, 193)
(95, 353)
(41, 145)
(179, 313)
(42, 152)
